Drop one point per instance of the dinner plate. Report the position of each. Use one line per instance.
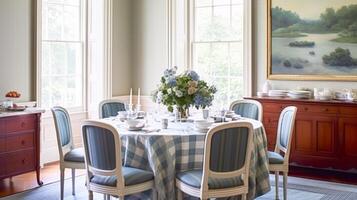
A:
(19, 108)
(135, 128)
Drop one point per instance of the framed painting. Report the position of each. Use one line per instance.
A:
(312, 40)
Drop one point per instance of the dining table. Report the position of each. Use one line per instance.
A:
(180, 147)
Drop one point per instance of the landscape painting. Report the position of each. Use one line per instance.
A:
(312, 39)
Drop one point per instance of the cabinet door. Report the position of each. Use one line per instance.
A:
(304, 137)
(348, 141)
(326, 136)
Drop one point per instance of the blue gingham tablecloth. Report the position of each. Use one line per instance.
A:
(181, 148)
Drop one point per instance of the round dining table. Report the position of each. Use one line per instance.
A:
(180, 147)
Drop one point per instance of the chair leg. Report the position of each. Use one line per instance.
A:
(276, 185)
(121, 197)
(179, 194)
(285, 185)
(62, 183)
(154, 194)
(73, 181)
(90, 195)
(244, 197)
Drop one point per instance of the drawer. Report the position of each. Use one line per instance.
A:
(19, 142)
(348, 110)
(274, 107)
(2, 126)
(317, 109)
(20, 161)
(3, 166)
(271, 119)
(2, 144)
(20, 123)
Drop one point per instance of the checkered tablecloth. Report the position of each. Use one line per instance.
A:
(181, 148)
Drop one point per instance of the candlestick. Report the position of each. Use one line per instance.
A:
(131, 97)
(139, 96)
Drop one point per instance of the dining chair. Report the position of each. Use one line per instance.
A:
(248, 108)
(70, 157)
(105, 173)
(228, 148)
(110, 108)
(279, 159)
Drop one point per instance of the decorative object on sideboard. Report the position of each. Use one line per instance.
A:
(9, 104)
(267, 87)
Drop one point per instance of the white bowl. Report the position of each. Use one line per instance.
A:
(203, 124)
(262, 94)
(134, 122)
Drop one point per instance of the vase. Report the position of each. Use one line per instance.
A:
(183, 113)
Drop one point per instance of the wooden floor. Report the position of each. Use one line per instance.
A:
(49, 174)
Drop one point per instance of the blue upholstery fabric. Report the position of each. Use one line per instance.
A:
(247, 110)
(285, 128)
(132, 176)
(228, 149)
(275, 158)
(193, 178)
(111, 109)
(63, 123)
(101, 147)
(76, 155)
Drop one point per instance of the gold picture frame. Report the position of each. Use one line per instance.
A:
(307, 77)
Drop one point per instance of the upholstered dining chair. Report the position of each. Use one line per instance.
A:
(110, 108)
(279, 159)
(70, 157)
(248, 108)
(228, 148)
(105, 173)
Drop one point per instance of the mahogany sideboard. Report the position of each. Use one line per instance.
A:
(20, 143)
(325, 134)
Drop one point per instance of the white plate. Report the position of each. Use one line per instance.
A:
(201, 130)
(135, 128)
(299, 92)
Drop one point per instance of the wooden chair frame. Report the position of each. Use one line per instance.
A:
(63, 150)
(257, 103)
(204, 192)
(120, 190)
(286, 150)
(105, 102)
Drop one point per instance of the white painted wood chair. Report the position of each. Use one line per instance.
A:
(105, 174)
(277, 161)
(110, 108)
(248, 108)
(228, 149)
(70, 157)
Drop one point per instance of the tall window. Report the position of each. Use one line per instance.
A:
(62, 70)
(217, 46)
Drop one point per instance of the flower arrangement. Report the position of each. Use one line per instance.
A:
(183, 91)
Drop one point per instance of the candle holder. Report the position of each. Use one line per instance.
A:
(138, 107)
(130, 107)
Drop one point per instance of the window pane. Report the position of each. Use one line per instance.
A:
(221, 24)
(236, 58)
(237, 22)
(221, 2)
(52, 22)
(203, 3)
(71, 23)
(203, 23)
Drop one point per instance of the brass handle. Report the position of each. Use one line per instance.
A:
(306, 109)
(326, 109)
(23, 161)
(23, 142)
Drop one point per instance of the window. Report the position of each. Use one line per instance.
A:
(217, 47)
(62, 57)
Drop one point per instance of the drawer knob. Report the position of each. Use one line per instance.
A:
(306, 109)
(23, 142)
(326, 109)
(23, 161)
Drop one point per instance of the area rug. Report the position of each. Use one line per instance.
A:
(295, 192)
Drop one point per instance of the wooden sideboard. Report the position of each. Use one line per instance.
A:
(20, 143)
(325, 134)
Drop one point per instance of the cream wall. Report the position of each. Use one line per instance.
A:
(149, 43)
(259, 57)
(16, 48)
(122, 47)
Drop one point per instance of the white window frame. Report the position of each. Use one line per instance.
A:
(39, 40)
(172, 27)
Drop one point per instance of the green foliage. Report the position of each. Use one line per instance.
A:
(340, 57)
(302, 44)
(283, 18)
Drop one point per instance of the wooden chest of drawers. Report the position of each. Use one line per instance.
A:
(325, 134)
(20, 145)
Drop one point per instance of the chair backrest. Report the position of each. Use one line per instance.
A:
(228, 148)
(285, 131)
(110, 108)
(63, 130)
(248, 108)
(102, 151)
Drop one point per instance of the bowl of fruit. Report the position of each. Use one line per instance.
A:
(9, 103)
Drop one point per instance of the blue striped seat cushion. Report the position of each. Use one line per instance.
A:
(76, 155)
(275, 158)
(132, 176)
(193, 178)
